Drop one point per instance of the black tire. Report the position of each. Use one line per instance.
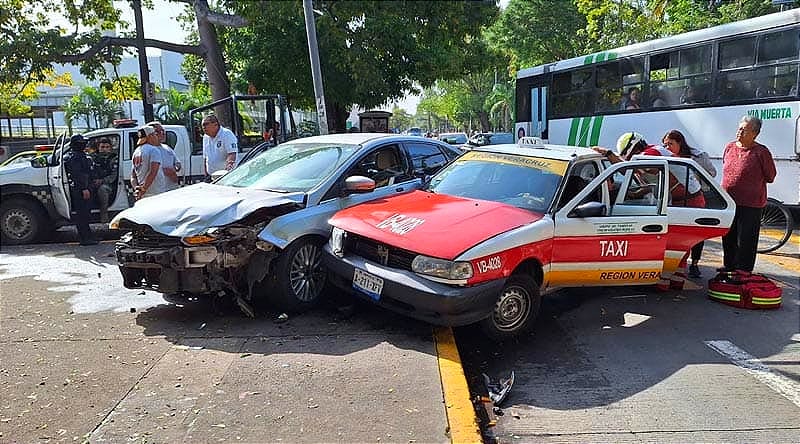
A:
(21, 222)
(776, 227)
(516, 309)
(299, 276)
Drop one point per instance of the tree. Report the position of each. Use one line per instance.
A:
(371, 52)
(534, 32)
(400, 118)
(14, 95)
(97, 110)
(27, 50)
(177, 104)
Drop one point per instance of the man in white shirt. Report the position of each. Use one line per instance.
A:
(169, 163)
(147, 165)
(219, 146)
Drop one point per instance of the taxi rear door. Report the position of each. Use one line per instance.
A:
(614, 231)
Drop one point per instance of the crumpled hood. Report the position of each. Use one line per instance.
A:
(435, 225)
(190, 210)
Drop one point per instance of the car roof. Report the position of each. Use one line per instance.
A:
(357, 138)
(545, 150)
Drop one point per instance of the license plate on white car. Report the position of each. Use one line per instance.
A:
(368, 283)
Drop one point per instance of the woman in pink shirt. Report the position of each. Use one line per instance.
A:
(747, 168)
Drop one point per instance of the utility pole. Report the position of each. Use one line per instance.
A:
(148, 91)
(316, 72)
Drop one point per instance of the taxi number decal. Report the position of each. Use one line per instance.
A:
(613, 248)
(639, 275)
(400, 224)
(493, 263)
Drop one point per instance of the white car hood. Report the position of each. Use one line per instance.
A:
(190, 210)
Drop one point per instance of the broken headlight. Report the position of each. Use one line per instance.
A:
(337, 241)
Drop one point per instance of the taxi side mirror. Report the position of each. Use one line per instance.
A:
(588, 209)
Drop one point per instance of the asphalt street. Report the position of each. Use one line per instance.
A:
(628, 364)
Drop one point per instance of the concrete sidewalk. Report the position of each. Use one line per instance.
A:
(85, 360)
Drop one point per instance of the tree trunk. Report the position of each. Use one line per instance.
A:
(215, 63)
(483, 117)
(337, 117)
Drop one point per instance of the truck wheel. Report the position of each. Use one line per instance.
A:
(21, 222)
(516, 309)
(300, 276)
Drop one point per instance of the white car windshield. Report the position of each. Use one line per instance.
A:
(525, 182)
(290, 167)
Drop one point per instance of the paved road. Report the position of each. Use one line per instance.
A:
(631, 365)
(85, 360)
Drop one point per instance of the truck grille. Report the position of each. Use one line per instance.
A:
(371, 250)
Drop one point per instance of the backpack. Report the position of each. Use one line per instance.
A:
(744, 290)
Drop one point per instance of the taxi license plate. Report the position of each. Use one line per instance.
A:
(368, 283)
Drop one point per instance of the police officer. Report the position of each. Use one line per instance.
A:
(105, 174)
(79, 169)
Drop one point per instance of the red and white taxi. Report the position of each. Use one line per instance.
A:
(504, 224)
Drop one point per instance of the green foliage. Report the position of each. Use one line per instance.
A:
(93, 107)
(176, 105)
(400, 118)
(307, 128)
(371, 51)
(29, 43)
(14, 95)
(534, 32)
(123, 88)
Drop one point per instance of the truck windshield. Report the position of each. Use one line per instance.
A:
(525, 182)
(290, 167)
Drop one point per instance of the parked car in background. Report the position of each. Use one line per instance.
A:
(456, 139)
(483, 139)
(258, 231)
(26, 156)
(414, 131)
(504, 224)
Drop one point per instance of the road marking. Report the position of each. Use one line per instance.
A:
(461, 420)
(786, 387)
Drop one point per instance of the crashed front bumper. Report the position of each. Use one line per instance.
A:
(167, 270)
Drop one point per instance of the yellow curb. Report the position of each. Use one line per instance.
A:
(461, 420)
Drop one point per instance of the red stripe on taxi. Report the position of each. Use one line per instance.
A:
(631, 247)
(684, 237)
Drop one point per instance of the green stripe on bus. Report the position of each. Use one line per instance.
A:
(588, 60)
(726, 296)
(573, 131)
(595, 138)
(584, 131)
(611, 56)
(600, 57)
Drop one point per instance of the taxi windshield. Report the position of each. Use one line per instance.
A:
(290, 167)
(525, 182)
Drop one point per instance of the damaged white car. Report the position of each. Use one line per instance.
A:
(257, 232)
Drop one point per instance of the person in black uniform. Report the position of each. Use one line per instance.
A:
(79, 169)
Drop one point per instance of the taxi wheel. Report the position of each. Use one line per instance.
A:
(21, 222)
(516, 309)
(300, 276)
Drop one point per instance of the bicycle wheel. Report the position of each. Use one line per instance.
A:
(776, 227)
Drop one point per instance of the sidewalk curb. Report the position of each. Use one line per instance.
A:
(461, 420)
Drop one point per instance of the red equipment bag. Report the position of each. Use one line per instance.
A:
(744, 290)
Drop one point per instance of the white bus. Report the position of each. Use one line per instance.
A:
(700, 83)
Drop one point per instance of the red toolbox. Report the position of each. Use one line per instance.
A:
(744, 290)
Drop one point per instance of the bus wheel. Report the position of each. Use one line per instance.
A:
(21, 222)
(516, 309)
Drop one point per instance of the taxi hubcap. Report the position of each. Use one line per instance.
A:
(18, 224)
(512, 308)
(305, 273)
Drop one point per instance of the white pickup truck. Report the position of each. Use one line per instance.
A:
(35, 195)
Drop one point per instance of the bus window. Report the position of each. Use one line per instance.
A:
(609, 87)
(572, 93)
(779, 47)
(737, 53)
(695, 61)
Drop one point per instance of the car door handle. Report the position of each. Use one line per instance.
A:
(707, 221)
(655, 228)
(400, 189)
(56, 177)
